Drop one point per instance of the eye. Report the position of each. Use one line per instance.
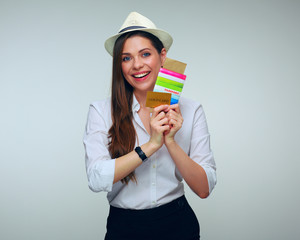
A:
(126, 59)
(146, 54)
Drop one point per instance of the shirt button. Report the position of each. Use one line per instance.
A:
(153, 202)
(154, 166)
(153, 184)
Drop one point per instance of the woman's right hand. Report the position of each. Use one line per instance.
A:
(158, 125)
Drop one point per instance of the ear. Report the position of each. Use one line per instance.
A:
(163, 56)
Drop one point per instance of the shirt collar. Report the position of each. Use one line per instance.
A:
(135, 104)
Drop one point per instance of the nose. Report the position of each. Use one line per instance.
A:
(138, 63)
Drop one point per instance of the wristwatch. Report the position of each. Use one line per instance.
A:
(141, 154)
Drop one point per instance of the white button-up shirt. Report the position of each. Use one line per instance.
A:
(158, 179)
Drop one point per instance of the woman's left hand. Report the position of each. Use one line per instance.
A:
(175, 122)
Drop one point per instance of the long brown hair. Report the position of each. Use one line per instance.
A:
(122, 132)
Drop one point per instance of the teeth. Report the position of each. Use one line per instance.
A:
(141, 75)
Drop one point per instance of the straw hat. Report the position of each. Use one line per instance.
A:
(134, 22)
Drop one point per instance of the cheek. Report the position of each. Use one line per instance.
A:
(157, 68)
(155, 64)
(126, 71)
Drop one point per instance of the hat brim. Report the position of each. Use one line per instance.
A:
(162, 35)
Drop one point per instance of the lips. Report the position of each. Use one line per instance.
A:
(141, 75)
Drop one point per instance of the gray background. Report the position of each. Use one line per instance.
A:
(243, 66)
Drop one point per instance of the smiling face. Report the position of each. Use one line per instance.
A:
(141, 63)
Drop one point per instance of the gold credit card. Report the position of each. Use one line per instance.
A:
(155, 99)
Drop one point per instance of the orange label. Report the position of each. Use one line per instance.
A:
(155, 99)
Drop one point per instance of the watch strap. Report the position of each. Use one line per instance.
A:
(141, 154)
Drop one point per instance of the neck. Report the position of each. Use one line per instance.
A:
(141, 98)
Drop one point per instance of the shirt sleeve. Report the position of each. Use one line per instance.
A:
(100, 167)
(200, 150)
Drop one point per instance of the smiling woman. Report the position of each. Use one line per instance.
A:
(141, 158)
(141, 64)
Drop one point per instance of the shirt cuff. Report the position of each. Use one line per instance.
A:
(211, 178)
(101, 176)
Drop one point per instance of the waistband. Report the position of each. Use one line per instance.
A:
(160, 211)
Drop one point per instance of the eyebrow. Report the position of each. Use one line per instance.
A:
(139, 51)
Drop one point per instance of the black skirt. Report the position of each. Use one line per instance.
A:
(174, 220)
